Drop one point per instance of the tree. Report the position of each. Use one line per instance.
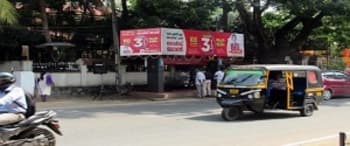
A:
(8, 14)
(195, 14)
(298, 20)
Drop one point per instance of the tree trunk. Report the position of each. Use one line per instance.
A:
(224, 18)
(124, 16)
(125, 11)
(45, 22)
(273, 48)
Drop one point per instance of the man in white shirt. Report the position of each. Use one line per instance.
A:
(12, 100)
(199, 81)
(219, 76)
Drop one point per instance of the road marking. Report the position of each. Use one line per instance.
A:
(312, 140)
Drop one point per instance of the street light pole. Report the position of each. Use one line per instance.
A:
(116, 44)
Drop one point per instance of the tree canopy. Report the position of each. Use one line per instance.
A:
(284, 29)
(273, 28)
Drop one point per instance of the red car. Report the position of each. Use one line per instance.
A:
(335, 83)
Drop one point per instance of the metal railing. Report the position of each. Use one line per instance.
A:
(56, 67)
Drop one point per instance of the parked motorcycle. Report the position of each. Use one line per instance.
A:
(31, 131)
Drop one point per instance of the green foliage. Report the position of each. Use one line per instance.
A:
(307, 8)
(336, 64)
(173, 13)
(335, 32)
(193, 14)
(273, 20)
(287, 26)
(8, 14)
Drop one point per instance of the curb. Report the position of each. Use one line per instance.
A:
(133, 97)
(163, 95)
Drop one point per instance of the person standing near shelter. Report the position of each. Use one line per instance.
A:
(45, 83)
(199, 81)
(207, 83)
(219, 76)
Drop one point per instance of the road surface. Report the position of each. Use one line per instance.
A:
(197, 122)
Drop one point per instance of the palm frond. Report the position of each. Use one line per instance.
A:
(8, 14)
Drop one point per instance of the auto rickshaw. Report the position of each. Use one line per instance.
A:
(249, 87)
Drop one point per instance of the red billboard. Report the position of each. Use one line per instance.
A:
(168, 41)
(140, 42)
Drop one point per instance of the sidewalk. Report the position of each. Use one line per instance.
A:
(135, 96)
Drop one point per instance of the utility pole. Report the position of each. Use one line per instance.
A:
(116, 45)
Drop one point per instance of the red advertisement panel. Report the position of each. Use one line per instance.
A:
(220, 43)
(199, 43)
(179, 42)
(206, 43)
(140, 42)
(235, 45)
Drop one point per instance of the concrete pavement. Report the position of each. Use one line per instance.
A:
(135, 96)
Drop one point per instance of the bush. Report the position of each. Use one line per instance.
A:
(336, 64)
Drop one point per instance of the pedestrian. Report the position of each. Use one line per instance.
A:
(219, 76)
(45, 83)
(199, 81)
(207, 83)
(13, 103)
(192, 78)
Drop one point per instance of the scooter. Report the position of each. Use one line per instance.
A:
(30, 132)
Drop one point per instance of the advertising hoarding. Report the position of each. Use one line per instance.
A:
(181, 42)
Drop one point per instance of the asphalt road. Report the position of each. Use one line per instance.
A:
(197, 122)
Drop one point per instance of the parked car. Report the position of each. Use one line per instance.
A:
(336, 83)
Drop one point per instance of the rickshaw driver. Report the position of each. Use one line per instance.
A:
(278, 82)
(277, 88)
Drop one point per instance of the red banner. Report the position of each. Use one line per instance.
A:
(140, 42)
(205, 43)
(221, 40)
(199, 43)
(168, 41)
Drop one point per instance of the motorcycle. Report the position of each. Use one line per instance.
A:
(30, 132)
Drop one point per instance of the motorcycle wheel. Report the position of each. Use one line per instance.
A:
(40, 131)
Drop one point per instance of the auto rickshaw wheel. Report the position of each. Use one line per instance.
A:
(231, 113)
(307, 110)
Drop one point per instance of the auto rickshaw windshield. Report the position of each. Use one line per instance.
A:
(243, 77)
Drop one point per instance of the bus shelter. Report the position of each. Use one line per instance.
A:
(169, 46)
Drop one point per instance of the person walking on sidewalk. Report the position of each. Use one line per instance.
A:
(199, 81)
(45, 83)
(207, 83)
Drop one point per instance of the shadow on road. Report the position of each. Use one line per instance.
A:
(337, 102)
(183, 108)
(192, 109)
(248, 117)
(195, 109)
